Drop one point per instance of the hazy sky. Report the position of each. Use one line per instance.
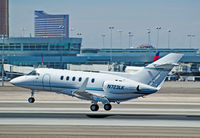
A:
(92, 18)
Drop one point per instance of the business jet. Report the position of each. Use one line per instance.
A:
(103, 87)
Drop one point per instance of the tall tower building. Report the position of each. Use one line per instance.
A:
(4, 25)
(47, 25)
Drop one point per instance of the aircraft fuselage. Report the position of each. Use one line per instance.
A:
(115, 88)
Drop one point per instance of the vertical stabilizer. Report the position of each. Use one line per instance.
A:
(155, 73)
(156, 56)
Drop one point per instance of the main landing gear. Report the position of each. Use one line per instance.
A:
(31, 99)
(95, 107)
(107, 107)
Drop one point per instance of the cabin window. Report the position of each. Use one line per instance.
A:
(61, 77)
(80, 79)
(92, 80)
(74, 78)
(67, 78)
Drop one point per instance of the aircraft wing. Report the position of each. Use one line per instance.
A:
(83, 94)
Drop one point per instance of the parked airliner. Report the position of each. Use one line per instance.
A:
(104, 87)
(133, 69)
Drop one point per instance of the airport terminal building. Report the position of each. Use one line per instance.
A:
(57, 52)
(33, 51)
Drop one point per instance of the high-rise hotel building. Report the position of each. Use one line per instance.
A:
(4, 25)
(47, 25)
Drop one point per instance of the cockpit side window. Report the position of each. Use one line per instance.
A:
(34, 73)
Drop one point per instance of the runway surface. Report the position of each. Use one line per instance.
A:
(174, 111)
(74, 119)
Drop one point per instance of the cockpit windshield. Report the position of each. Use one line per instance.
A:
(33, 73)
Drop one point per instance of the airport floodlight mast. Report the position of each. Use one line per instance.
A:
(111, 28)
(130, 36)
(23, 32)
(79, 34)
(103, 40)
(120, 38)
(158, 28)
(2, 59)
(168, 44)
(190, 39)
(149, 36)
(72, 30)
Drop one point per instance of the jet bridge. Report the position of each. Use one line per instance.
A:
(12, 70)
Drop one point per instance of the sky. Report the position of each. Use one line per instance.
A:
(92, 18)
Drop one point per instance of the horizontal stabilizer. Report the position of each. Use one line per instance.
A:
(170, 59)
(167, 65)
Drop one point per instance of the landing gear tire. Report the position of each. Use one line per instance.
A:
(107, 107)
(31, 100)
(94, 107)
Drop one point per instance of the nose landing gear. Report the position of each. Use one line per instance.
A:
(31, 99)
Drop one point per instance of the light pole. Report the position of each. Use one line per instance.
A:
(103, 39)
(190, 39)
(79, 34)
(111, 28)
(23, 31)
(169, 31)
(2, 60)
(149, 36)
(120, 39)
(130, 36)
(71, 30)
(158, 28)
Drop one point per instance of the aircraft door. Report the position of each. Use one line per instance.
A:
(46, 82)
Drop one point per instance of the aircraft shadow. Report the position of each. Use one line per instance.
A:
(100, 115)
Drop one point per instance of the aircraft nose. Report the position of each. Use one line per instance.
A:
(15, 81)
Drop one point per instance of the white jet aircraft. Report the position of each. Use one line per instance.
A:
(104, 87)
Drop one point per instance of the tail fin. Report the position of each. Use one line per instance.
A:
(155, 73)
(156, 56)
